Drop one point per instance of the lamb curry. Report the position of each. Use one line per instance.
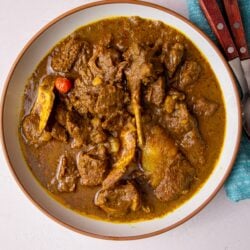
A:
(123, 120)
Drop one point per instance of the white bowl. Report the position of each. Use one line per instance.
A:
(38, 47)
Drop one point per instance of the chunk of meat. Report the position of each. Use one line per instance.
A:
(165, 167)
(173, 56)
(105, 63)
(120, 71)
(61, 114)
(125, 156)
(98, 152)
(176, 182)
(91, 170)
(172, 98)
(189, 73)
(119, 200)
(59, 133)
(30, 125)
(66, 175)
(180, 123)
(83, 57)
(98, 135)
(140, 67)
(204, 107)
(84, 96)
(155, 92)
(30, 130)
(140, 70)
(65, 55)
(193, 146)
(115, 121)
(77, 128)
(110, 100)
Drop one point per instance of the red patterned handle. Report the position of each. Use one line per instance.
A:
(218, 25)
(234, 17)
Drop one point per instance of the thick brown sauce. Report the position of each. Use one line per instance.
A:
(43, 165)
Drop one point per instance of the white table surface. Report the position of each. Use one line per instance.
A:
(220, 225)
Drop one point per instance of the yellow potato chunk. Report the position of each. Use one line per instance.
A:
(43, 104)
(158, 153)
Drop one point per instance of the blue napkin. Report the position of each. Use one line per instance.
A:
(237, 185)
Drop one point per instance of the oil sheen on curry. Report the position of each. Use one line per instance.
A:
(123, 120)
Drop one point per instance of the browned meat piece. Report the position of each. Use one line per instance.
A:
(172, 57)
(180, 120)
(60, 114)
(193, 146)
(77, 128)
(204, 107)
(119, 200)
(125, 156)
(91, 170)
(120, 71)
(144, 67)
(166, 169)
(81, 63)
(116, 121)
(66, 175)
(172, 98)
(59, 133)
(105, 63)
(64, 56)
(180, 123)
(110, 100)
(30, 127)
(31, 132)
(97, 134)
(83, 97)
(176, 181)
(98, 152)
(155, 92)
(189, 73)
(141, 68)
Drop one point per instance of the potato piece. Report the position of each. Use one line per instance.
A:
(97, 81)
(44, 103)
(33, 126)
(168, 172)
(158, 154)
(114, 144)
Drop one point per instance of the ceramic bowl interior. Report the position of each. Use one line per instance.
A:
(12, 102)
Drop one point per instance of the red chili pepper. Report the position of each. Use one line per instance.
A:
(63, 85)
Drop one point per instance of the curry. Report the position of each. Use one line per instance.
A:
(123, 120)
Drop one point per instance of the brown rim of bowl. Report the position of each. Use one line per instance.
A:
(26, 47)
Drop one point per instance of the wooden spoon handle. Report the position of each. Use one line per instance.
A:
(218, 25)
(237, 28)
